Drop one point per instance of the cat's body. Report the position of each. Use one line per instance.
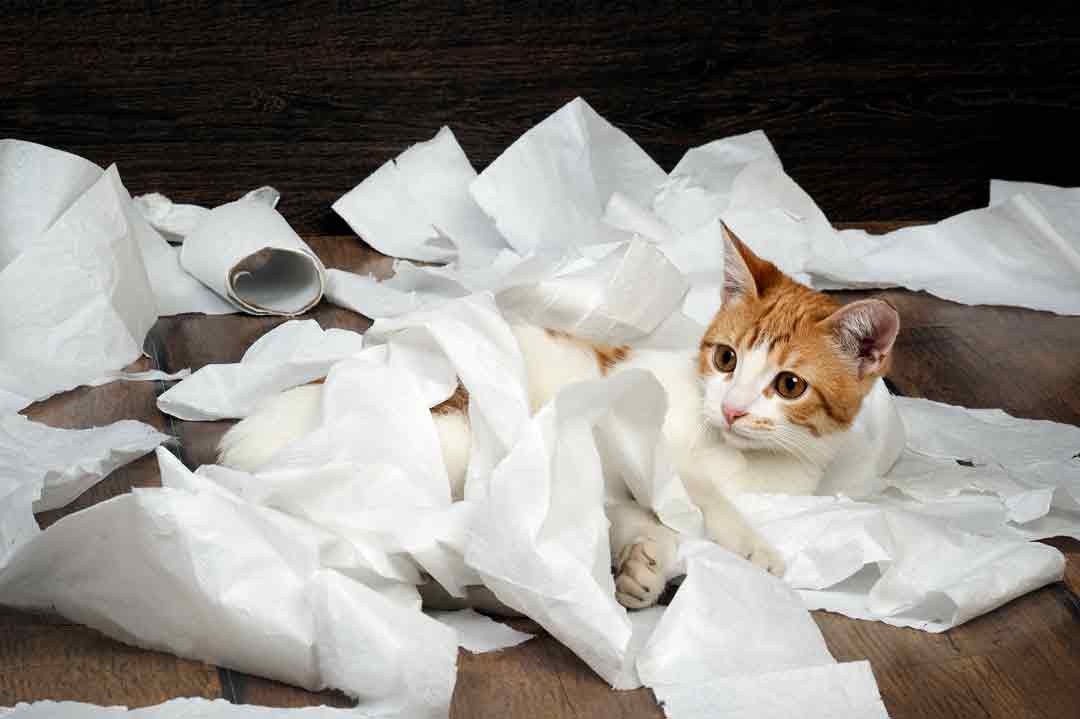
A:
(729, 427)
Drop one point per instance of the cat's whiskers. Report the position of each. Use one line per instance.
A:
(810, 453)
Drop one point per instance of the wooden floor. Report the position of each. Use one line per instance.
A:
(1022, 660)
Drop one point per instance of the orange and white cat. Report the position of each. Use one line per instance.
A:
(761, 405)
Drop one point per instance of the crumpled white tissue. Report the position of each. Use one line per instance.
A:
(540, 537)
(292, 354)
(738, 642)
(193, 708)
(278, 601)
(42, 468)
(418, 206)
(620, 295)
(974, 257)
(877, 561)
(479, 634)
(247, 253)
(729, 618)
(548, 189)
(39, 183)
(77, 300)
(836, 691)
(1032, 466)
(175, 221)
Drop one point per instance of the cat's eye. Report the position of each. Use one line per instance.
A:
(790, 385)
(725, 358)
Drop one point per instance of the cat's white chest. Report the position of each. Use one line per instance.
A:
(704, 461)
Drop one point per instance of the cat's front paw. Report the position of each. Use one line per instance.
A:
(639, 576)
(751, 546)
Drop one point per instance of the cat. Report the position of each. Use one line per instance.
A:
(760, 405)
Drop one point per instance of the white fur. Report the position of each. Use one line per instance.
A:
(277, 422)
(454, 439)
(551, 363)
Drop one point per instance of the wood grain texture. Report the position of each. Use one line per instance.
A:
(54, 660)
(897, 112)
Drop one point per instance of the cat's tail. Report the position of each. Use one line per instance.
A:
(279, 421)
(251, 444)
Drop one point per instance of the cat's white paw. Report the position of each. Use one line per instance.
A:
(750, 545)
(639, 576)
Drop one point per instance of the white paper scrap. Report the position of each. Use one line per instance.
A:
(42, 468)
(147, 568)
(622, 297)
(466, 340)
(292, 354)
(549, 188)
(974, 257)
(479, 634)
(100, 306)
(830, 691)
(729, 618)
(540, 539)
(175, 221)
(877, 561)
(247, 253)
(418, 206)
(1032, 465)
(186, 708)
(37, 184)
(150, 375)
(741, 180)
(1003, 190)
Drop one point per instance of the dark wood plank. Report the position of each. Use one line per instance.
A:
(191, 341)
(51, 660)
(892, 113)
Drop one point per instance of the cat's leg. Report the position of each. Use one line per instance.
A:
(643, 553)
(726, 526)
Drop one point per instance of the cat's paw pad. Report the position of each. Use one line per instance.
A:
(639, 578)
(762, 554)
(751, 546)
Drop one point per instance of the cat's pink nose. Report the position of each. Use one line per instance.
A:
(733, 413)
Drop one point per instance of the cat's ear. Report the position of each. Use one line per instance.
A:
(866, 331)
(745, 274)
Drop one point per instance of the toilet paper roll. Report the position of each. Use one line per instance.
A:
(247, 253)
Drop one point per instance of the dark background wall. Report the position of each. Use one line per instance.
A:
(880, 114)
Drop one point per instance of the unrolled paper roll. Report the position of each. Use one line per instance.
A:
(247, 253)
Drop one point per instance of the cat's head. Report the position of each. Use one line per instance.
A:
(785, 367)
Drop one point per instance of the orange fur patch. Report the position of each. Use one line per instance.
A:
(607, 356)
(789, 319)
(457, 403)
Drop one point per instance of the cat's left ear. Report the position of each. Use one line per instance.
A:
(866, 331)
(745, 274)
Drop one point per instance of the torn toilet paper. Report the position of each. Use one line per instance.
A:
(417, 206)
(266, 606)
(477, 633)
(97, 319)
(247, 253)
(294, 353)
(737, 642)
(175, 221)
(44, 468)
(548, 189)
(194, 708)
